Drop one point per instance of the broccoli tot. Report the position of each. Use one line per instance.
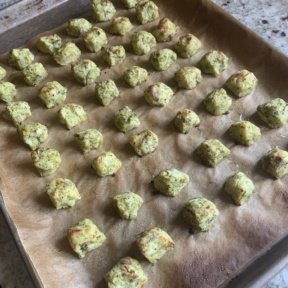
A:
(95, 39)
(127, 273)
(135, 76)
(154, 244)
(212, 152)
(86, 72)
(104, 10)
(34, 74)
(2, 73)
(53, 94)
(214, 63)
(217, 102)
(200, 214)
(188, 45)
(33, 134)
(63, 193)
(106, 164)
(142, 42)
(144, 142)
(89, 139)
(78, 27)
(188, 77)
(106, 92)
(147, 12)
(244, 132)
(7, 91)
(274, 113)
(126, 120)
(17, 112)
(46, 160)
(241, 83)
(185, 120)
(128, 205)
(120, 26)
(49, 44)
(72, 115)
(113, 55)
(130, 3)
(275, 162)
(158, 94)
(239, 187)
(85, 237)
(170, 182)
(163, 59)
(67, 54)
(20, 58)
(165, 30)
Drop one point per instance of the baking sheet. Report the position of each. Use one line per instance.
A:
(198, 260)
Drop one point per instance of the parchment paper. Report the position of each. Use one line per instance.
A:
(200, 260)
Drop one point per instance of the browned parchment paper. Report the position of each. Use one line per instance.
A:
(202, 260)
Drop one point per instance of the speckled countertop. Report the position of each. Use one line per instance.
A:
(267, 18)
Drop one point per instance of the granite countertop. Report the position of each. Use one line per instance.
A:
(267, 18)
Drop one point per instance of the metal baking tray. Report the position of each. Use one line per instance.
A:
(31, 17)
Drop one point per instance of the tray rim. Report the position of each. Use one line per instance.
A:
(13, 231)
